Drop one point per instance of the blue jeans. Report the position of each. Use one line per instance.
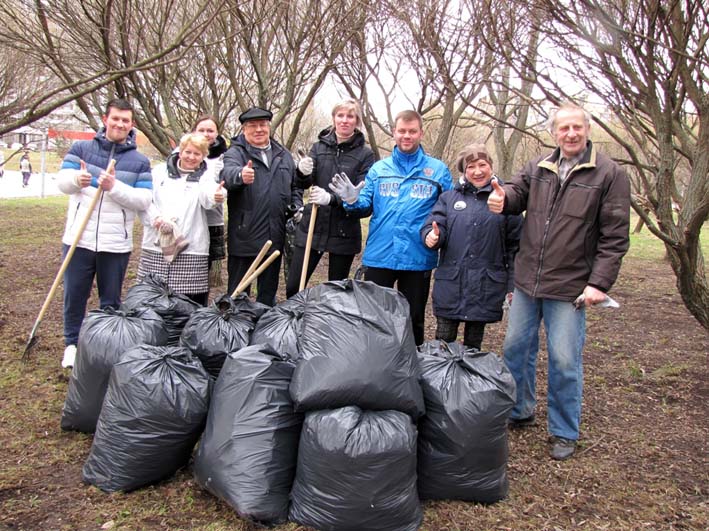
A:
(109, 270)
(566, 332)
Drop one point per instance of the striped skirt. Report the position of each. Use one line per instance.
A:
(188, 273)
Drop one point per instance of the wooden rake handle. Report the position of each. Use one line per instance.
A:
(242, 285)
(308, 246)
(250, 279)
(70, 253)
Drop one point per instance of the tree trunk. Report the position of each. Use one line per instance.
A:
(691, 284)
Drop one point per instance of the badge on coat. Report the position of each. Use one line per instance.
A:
(460, 205)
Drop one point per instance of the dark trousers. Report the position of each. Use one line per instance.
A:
(338, 268)
(413, 285)
(200, 298)
(447, 330)
(109, 270)
(267, 282)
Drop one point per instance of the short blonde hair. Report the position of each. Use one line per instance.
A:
(349, 105)
(198, 141)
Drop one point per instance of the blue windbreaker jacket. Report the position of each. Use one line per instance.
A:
(400, 192)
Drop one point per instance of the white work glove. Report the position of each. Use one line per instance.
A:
(344, 188)
(319, 196)
(305, 165)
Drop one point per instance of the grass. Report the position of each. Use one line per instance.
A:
(52, 161)
(646, 246)
(644, 380)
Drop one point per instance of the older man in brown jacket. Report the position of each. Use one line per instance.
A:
(575, 234)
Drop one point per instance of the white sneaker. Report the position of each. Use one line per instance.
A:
(69, 357)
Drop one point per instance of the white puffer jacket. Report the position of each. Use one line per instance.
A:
(110, 227)
(186, 200)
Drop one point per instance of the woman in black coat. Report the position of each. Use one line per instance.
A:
(477, 249)
(340, 149)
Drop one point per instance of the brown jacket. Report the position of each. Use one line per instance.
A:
(575, 234)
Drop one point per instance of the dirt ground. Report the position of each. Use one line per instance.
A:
(642, 461)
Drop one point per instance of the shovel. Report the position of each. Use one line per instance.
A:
(32, 341)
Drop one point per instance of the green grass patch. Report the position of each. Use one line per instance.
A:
(646, 246)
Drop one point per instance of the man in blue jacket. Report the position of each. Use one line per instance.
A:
(399, 192)
(104, 247)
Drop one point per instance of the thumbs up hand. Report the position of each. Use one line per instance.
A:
(83, 177)
(219, 193)
(433, 236)
(248, 173)
(107, 178)
(496, 200)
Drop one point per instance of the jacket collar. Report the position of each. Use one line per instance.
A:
(408, 161)
(128, 145)
(465, 186)
(218, 148)
(328, 137)
(174, 173)
(588, 160)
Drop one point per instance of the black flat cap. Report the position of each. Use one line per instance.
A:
(255, 113)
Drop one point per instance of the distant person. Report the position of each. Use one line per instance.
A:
(263, 190)
(25, 169)
(399, 192)
(206, 125)
(105, 245)
(340, 149)
(477, 249)
(2, 165)
(176, 234)
(574, 237)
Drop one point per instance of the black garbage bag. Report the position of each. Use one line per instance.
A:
(248, 453)
(174, 308)
(357, 348)
(356, 471)
(280, 326)
(105, 336)
(152, 416)
(223, 327)
(462, 445)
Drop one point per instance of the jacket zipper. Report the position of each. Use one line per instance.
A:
(552, 211)
(100, 203)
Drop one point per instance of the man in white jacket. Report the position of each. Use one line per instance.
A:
(105, 245)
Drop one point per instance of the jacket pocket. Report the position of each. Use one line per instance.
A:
(495, 287)
(447, 288)
(581, 201)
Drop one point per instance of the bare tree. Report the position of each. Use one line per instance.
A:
(647, 61)
(78, 48)
(429, 57)
(268, 53)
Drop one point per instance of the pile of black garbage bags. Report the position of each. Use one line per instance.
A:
(320, 410)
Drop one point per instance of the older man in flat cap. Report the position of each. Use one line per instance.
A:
(263, 185)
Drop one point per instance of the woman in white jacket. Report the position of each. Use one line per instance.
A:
(176, 238)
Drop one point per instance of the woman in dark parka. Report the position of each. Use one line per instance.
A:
(340, 149)
(477, 249)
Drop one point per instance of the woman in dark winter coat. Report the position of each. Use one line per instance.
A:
(339, 149)
(206, 125)
(477, 249)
